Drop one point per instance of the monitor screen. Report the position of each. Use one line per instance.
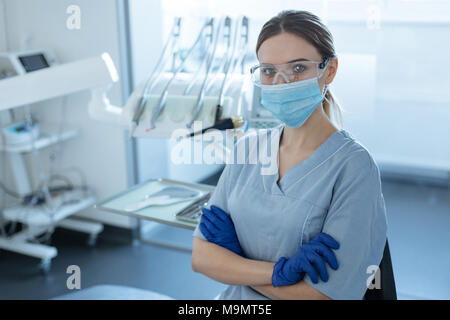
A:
(34, 62)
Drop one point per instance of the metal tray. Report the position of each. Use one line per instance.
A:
(162, 214)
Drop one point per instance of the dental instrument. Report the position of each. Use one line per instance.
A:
(166, 196)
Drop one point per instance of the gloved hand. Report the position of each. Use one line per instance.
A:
(218, 228)
(292, 270)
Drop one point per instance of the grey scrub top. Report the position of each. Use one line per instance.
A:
(336, 190)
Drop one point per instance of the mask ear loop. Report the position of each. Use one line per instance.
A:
(324, 66)
(324, 94)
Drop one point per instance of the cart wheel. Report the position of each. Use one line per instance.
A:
(45, 266)
(92, 240)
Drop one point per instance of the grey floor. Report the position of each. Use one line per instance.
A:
(419, 239)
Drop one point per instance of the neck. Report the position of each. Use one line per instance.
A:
(312, 133)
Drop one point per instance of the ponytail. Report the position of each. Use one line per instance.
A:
(333, 109)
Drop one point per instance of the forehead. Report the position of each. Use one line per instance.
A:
(285, 47)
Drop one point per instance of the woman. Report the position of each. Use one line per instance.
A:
(314, 228)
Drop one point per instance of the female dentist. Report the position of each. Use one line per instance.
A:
(315, 228)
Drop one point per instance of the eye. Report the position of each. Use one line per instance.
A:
(267, 71)
(299, 68)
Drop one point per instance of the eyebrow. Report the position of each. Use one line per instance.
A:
(295, 60)
(300, 59)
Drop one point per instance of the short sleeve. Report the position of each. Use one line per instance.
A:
(218, 198)
(356, 218)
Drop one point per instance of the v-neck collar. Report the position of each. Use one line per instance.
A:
(301, 169)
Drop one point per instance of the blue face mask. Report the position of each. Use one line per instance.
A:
(292, 103)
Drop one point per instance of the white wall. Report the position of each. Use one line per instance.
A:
(399, 106)
(100, 150)
(2, 28)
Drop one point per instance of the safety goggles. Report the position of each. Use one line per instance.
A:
(270, 74)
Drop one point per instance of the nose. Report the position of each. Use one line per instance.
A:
(280, 80)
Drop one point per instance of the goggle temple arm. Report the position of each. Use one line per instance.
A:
(324, 63)
(322, 66)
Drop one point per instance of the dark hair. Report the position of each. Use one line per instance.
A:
(309, 27)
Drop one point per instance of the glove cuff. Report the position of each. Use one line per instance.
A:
(277, 275)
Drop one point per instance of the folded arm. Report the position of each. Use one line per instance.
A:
(299, 291)
(227, 267)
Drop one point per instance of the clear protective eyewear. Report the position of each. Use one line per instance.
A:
(270, 74)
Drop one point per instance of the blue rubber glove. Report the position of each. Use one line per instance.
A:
(314, 253)
(218, 228)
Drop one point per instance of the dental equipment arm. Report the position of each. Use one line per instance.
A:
(227, 35)
(199, 102)
(209, 40)
(219, 106)
(157, 71)
(163, 97)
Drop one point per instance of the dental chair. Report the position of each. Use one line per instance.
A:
(387, 290)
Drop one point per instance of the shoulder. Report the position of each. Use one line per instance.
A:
(357, 177)
(355, 158)
(355, 153)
